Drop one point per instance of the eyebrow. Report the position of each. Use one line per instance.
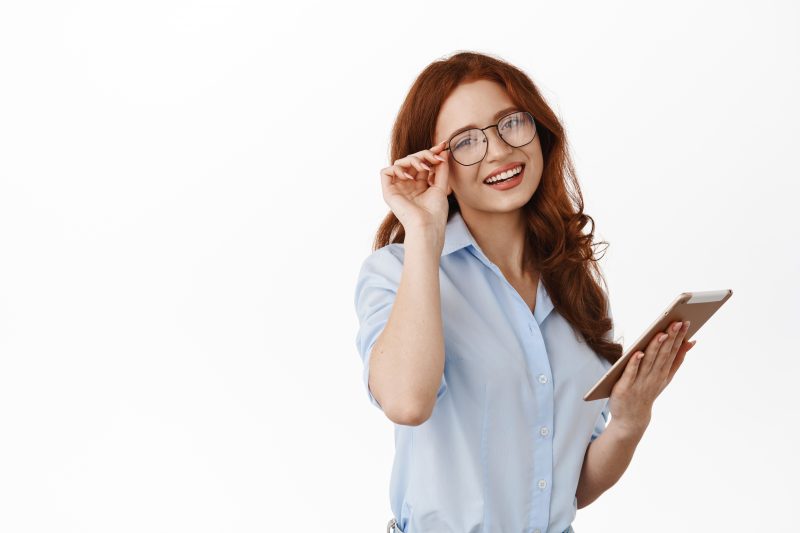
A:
(496, 117)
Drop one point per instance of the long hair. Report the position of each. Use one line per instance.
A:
(555, 244)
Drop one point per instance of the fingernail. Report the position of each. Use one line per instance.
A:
(439, 158)
(662, 337)
(676, 327)
(426, 167)
(686, 324)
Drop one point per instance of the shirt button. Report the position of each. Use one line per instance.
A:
(542, 483)
(542, 378)
(544, 431)
(530, 328)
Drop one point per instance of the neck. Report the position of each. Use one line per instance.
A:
(501, 236)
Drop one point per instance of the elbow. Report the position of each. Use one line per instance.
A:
(403, 411)
(582, 505)
(409, 413)
(583, 502)
(581, 499)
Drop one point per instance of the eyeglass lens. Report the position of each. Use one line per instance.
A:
(516, 129)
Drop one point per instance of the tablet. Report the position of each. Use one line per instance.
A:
(696, 307)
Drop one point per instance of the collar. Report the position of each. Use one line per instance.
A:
(458, 236)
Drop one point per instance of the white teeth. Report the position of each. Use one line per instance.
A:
(504, 175)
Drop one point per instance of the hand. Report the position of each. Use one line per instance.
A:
(416, 192)
(646, 375)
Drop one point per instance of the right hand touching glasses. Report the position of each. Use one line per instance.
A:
(416, 189)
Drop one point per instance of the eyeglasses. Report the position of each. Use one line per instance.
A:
(469, 147)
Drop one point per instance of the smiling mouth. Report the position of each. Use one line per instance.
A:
(505, 176)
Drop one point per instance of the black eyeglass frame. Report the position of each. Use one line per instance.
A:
(496, 125)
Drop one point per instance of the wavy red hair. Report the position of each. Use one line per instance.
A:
(555, 243)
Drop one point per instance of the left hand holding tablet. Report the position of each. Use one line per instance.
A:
(646, 375)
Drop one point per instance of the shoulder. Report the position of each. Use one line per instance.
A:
(381, 268)
(388, 260)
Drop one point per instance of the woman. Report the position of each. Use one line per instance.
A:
(482, 323)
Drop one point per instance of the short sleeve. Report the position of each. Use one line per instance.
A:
(602, 419)
(375, 292)
(600, 424)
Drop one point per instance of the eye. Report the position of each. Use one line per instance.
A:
(511, 122)
(464, 142)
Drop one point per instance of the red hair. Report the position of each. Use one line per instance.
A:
(555, 243)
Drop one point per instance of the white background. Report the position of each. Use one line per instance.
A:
(187, 191)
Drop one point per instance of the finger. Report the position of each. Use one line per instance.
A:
(386, 177)
(410, 163)
(664, 358)
(423, 170)
(442, 173)
(395, 171)
(389, 176)
(416, 160)
(419, 171)
(679, 358)
(400, 173)
(659, 364)
(677, 344)
(651, 352)
(632, 368)
(429, 156)
(436, 148)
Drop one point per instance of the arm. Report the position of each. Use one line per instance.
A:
(407, 360)
(645, 376)
(606, 459)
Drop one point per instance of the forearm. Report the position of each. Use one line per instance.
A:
(606, 459)
(407, 360)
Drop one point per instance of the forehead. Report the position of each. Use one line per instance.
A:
(473, 102)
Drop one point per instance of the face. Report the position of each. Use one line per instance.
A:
(476, 103)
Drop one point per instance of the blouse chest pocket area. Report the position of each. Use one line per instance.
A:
(480, 357)
(576, 369)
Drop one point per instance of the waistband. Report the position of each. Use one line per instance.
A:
(392, 527)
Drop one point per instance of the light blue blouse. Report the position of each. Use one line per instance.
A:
(503, 448)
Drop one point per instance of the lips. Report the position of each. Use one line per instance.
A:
(505, 168)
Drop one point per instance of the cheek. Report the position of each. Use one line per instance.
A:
(462, 180)
(536, 153)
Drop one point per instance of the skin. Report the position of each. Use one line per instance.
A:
(416, 188)
(494, 217)
(631, 402)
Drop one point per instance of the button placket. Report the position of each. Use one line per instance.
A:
(535, 341)
(538, 368)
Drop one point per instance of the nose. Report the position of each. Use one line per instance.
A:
(497, 148)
